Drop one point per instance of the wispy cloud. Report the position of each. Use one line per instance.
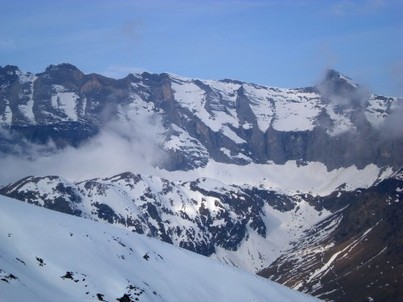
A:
(393, 126)
(7, 45)
(128, 143)
(131, 30)
(350, 7)
(397, 72)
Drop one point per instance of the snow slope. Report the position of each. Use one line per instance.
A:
(244, 226)
(290, 178)
(49, 256)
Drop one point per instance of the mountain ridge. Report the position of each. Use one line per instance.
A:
(280, 182)
(83, 260)
(231, 122)
(291, 239)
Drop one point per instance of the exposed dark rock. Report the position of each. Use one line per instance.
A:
(359, 258)
(99, 99)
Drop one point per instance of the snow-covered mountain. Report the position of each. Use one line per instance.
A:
(354, 250)
(245, 226)
(199, 120)
(80, 260)
(318, 244)
(298, 185)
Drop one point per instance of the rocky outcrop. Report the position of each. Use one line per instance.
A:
(353, 255)
(336, 122)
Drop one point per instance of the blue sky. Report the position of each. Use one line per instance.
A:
(276, 43)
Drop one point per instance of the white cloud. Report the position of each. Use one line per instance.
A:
(350, 7)
(130, 143)
(393, 126)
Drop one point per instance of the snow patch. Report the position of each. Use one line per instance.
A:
(66, 101)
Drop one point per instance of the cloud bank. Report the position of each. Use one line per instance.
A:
(128, 143)
(393, 125)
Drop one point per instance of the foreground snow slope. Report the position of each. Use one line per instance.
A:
(49, 256)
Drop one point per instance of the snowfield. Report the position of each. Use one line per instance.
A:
(49, 256)
(290, 178)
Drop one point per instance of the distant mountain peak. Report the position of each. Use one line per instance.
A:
(336, 77)
(333, 73)
(62, 66)
(9, 68)
(8, 74)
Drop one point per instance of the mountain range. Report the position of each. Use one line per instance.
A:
(85, 261)
(302, 186)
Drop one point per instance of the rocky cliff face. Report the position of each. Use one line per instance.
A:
(336, 122)
(355, 253)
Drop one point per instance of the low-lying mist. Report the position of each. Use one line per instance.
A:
(126, 143)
